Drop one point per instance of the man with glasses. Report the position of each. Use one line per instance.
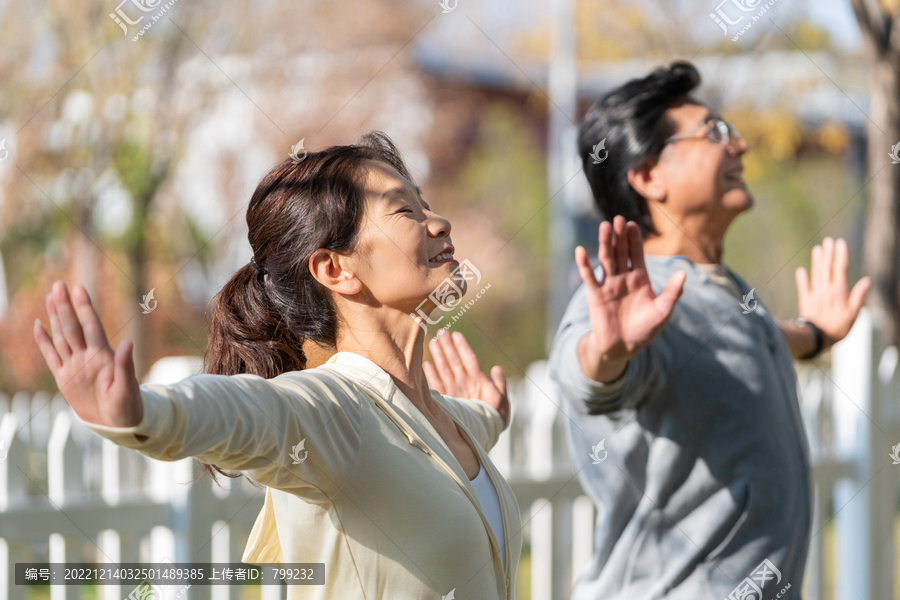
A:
(665, 356)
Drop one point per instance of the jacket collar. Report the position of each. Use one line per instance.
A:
(364, 371)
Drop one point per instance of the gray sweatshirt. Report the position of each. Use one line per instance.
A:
(704, 470)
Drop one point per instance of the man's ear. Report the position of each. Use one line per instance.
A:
(331, 270)
(647, 182)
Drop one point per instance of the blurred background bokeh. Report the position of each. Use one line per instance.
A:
(130, 162)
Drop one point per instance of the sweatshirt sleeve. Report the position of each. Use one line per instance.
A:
(482, 421)
(641, 379)
(298, 432)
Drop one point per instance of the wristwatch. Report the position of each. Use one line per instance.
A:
(820, 337)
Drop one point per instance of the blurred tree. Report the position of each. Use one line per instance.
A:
(879, 22)
(99, 150)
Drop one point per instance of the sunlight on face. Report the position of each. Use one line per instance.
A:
(400, 242)
(703, 176)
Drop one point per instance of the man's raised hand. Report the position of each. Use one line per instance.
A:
(100, 385)
(825, 298)
(625, 313)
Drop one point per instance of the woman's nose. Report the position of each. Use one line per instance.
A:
(438, 226)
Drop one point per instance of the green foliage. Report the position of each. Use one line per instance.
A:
(503, 182)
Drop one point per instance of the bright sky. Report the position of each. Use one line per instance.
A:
(837, 17)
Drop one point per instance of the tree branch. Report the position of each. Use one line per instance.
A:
(875, 25)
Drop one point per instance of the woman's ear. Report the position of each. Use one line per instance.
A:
(647, 181)
(330, 268)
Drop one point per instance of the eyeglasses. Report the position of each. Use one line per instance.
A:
(717, 131)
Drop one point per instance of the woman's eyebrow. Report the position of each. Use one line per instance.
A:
(400, 191)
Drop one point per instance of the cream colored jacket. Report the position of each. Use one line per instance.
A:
(376, 494)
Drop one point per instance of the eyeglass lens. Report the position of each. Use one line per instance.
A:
(723, 131)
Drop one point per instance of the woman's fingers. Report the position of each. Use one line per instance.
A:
(71, 326)
(94, 335)
(499, 379)
(451, 356)
(125, 379)
(47, 349)
(59, 341)
(441, 362)
(434, 380)
(467, 357)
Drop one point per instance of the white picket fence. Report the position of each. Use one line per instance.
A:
(67, 495)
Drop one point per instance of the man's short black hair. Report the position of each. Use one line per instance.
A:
(630, 119)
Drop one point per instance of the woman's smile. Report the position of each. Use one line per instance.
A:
(445, 257)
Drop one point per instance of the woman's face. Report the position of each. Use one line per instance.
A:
(404, 251)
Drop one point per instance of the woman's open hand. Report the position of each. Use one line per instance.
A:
(459, 374)
(99, 385)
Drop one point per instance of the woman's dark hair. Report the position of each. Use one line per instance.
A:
(632, 120)
(258, 323)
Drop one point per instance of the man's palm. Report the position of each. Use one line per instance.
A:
(625, 314)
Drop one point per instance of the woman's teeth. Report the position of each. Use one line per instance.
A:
(441, 256)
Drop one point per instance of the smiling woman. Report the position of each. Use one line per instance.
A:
(394, 490)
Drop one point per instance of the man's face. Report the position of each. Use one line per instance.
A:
(702, 177)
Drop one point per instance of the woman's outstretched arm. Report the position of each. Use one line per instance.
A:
(296, 432)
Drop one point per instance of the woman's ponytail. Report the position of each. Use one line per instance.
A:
(247, 335)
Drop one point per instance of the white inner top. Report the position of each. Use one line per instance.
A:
(490, 505)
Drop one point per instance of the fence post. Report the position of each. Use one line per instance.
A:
(12, 485)
(65, 480)
(860, 508)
